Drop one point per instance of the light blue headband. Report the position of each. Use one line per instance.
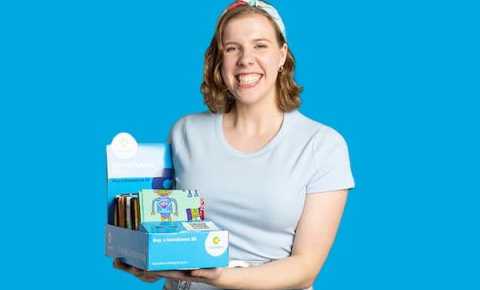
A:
(265, 7)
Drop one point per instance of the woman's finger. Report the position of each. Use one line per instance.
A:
(180, 275)
(152, 276)
(209, 274)
(119, 264)
(137, 272)
(147, 277)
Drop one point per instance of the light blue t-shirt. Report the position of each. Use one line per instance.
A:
(259, 197)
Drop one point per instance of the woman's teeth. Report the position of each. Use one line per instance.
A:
(248, 79)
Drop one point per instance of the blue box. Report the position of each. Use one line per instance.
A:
(177, 248)
(178, 245)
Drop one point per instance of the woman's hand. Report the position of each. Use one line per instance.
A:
(208, 276)
(139, 273)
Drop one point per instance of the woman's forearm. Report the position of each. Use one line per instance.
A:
(289, 273)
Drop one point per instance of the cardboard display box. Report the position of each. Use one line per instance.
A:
(179, 238)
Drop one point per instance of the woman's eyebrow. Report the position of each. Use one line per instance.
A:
(253, 40)
(231, 42)
(261, 39)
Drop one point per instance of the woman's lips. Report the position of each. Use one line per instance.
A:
(248, 80)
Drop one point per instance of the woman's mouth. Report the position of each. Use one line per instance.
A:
(245, 81)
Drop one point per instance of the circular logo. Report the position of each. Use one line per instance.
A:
(216, 243)
(124, 146)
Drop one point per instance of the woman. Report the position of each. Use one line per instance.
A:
(276, 180)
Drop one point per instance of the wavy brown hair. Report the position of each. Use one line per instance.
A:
(215, 93)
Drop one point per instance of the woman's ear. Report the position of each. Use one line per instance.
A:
(283, 54)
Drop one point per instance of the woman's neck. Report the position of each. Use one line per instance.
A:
(254, 120)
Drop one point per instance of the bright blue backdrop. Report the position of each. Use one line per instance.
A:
(399, 79)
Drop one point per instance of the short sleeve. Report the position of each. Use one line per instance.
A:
(331, 160)
(176, 131)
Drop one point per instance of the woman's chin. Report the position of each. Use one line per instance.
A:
(252, 97)
(248, 99)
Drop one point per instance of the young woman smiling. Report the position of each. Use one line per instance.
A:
(275, 179)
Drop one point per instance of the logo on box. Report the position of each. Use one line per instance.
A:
(216, 243)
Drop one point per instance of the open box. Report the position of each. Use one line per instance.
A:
(174, 241)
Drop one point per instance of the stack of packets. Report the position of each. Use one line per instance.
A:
(150, 225)
(157, 205)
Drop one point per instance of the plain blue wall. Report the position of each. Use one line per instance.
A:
(399, 79)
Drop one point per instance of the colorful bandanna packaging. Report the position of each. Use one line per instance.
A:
(265, 7)
(150, 225)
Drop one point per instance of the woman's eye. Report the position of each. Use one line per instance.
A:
(230, 49)
(261, 46)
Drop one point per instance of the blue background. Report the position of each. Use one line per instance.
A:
(399, 79)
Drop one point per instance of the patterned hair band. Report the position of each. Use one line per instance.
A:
(265, 7)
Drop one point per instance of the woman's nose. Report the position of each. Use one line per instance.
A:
(246, 58)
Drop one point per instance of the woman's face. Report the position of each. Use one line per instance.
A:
(251, 59)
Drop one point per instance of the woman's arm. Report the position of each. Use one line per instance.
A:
(314, 236)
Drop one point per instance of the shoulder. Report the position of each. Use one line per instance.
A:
(197, 120)
(196, 124)
(329, 154)
(320, 134)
